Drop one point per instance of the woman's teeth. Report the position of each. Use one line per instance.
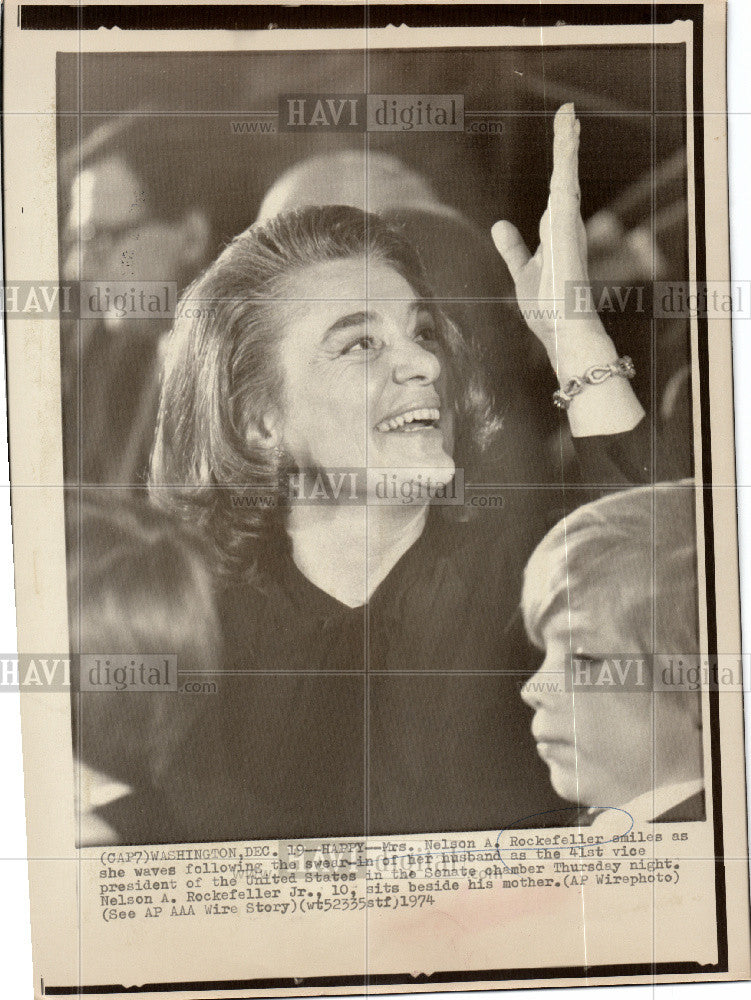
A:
(416, 418)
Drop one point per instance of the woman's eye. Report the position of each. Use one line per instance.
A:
(364, 343)
(426, 333)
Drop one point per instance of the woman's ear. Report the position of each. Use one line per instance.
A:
(270, 429)
(264, 433)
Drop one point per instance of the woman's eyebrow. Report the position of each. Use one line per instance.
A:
(361, 317)
(352, 319)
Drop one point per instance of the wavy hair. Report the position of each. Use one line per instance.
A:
(222, 374)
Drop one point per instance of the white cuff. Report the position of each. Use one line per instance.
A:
(608, 408)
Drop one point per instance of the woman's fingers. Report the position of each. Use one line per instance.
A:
(561, 227)
(511, 247)
(561, 256)
(564, 181)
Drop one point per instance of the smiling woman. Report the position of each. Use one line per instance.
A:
(373, 655)
(323, 348)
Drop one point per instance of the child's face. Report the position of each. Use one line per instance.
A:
(598, 744)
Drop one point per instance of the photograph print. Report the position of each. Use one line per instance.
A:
(381, 476)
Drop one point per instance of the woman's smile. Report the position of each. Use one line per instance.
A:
(420, 415)
(363, 372)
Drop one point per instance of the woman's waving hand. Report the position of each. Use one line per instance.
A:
(576, 344)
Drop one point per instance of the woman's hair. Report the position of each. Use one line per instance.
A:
(636, 551)
(138, 586)
(211, 462)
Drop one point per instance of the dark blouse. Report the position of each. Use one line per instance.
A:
(398, 717)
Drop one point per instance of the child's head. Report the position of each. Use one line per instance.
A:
(615, 581)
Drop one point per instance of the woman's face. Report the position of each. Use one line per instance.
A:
(362, 367)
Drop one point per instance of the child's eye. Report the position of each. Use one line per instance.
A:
(585, 661)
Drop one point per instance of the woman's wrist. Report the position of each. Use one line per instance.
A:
(610, 407)
(574, 347)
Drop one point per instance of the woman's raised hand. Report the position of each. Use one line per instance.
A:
(561, 257)
(573, 342)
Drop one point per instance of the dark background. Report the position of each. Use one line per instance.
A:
(631, 100)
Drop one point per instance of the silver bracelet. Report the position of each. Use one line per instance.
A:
(623, 367)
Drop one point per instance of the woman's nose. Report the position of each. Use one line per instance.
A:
(414, 363)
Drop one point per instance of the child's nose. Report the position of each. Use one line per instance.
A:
(545, 685)
(531, 690)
